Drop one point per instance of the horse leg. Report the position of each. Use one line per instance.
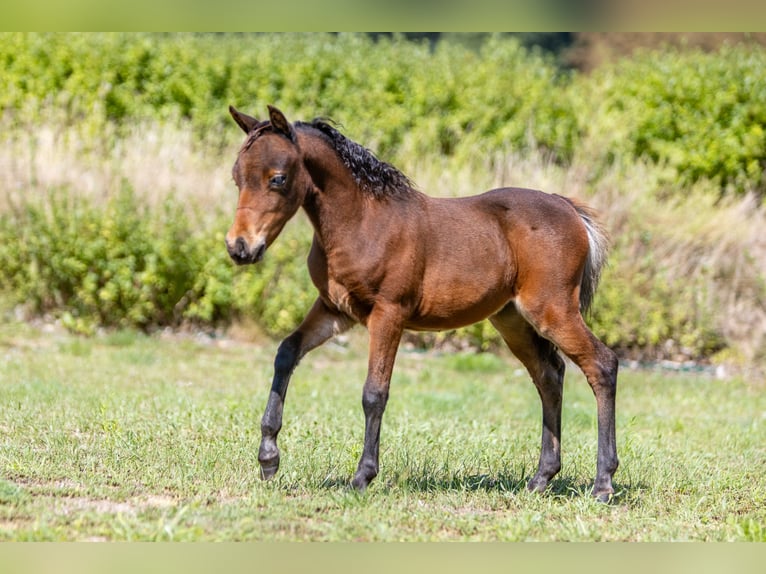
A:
(320, 324)
(546, 368)
(563, 325)
(385, 327)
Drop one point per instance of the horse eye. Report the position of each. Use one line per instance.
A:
(278, 180)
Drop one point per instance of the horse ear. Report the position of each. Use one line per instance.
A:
(280, 123)
(243, 120)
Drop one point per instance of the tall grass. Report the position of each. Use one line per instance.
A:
(158, 161)
(685, 278)
(693, 261)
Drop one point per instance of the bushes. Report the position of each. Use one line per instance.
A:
(681, 281)
(699, 115)
(688, 117)
(119, 264)
(390, 94)
(115, 266)
(641, 309)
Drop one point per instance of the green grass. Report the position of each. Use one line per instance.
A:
(127, 437)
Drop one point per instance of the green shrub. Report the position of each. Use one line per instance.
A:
(700, 115)
(119, 264)
(391, 94)
(641, 311)
(110, 266)
(276, 293)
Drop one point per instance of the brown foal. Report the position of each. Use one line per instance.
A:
(391, 258)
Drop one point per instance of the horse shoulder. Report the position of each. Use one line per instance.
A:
(337, 291)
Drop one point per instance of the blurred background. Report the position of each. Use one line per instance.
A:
(116, 150)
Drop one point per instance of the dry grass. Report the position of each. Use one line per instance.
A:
(156, 161)
(725, 241)
(689, 234)
(594, 49)
(697, 235)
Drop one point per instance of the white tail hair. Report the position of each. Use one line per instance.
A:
(598, 249)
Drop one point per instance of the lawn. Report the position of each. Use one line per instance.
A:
(127, 437)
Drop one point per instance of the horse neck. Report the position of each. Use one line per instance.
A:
(336, 202)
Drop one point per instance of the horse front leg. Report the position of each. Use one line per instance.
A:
(320, 324)
(385, 327)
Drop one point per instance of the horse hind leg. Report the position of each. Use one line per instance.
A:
(546, 368)
(562, 324)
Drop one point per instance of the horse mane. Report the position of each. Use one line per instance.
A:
(376, 177)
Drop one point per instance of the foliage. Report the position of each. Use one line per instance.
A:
(111, 266)
(120, 265)
(641, 309)
(689, 116)
(700, 115)
(276, 294)
(454, 96)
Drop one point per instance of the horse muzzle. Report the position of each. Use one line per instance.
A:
(243, 254)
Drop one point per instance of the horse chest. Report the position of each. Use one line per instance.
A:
(347, 301)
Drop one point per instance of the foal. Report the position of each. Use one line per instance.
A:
(391, 258)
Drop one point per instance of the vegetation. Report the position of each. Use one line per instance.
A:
(128, 438)
(121, 265)
(115, 194)
(695, 114)
(115, 199)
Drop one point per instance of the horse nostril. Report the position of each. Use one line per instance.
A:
(237, 250)
(241, 252)
(240, 248)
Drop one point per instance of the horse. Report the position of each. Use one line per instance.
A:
(392, 258)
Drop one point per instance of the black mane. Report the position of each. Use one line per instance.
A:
(374, 176)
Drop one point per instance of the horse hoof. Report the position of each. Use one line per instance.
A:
(537, 484)
(603, 497)
(269, 469)
(361, 481)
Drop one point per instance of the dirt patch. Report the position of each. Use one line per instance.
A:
(78, 504)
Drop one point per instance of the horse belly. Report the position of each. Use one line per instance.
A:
(469, 269)
(450, 305)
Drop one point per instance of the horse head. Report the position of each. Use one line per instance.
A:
(272, 183)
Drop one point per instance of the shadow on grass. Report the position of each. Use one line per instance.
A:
(513, 483)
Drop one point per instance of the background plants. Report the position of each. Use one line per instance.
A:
(116, 191)
(697, 115)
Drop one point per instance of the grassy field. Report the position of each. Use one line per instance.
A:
(126, 437)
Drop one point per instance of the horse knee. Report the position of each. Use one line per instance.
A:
(374, 400)
(608, 364)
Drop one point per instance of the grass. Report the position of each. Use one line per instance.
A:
(128, 437)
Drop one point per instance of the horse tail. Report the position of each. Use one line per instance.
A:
(598, 249)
